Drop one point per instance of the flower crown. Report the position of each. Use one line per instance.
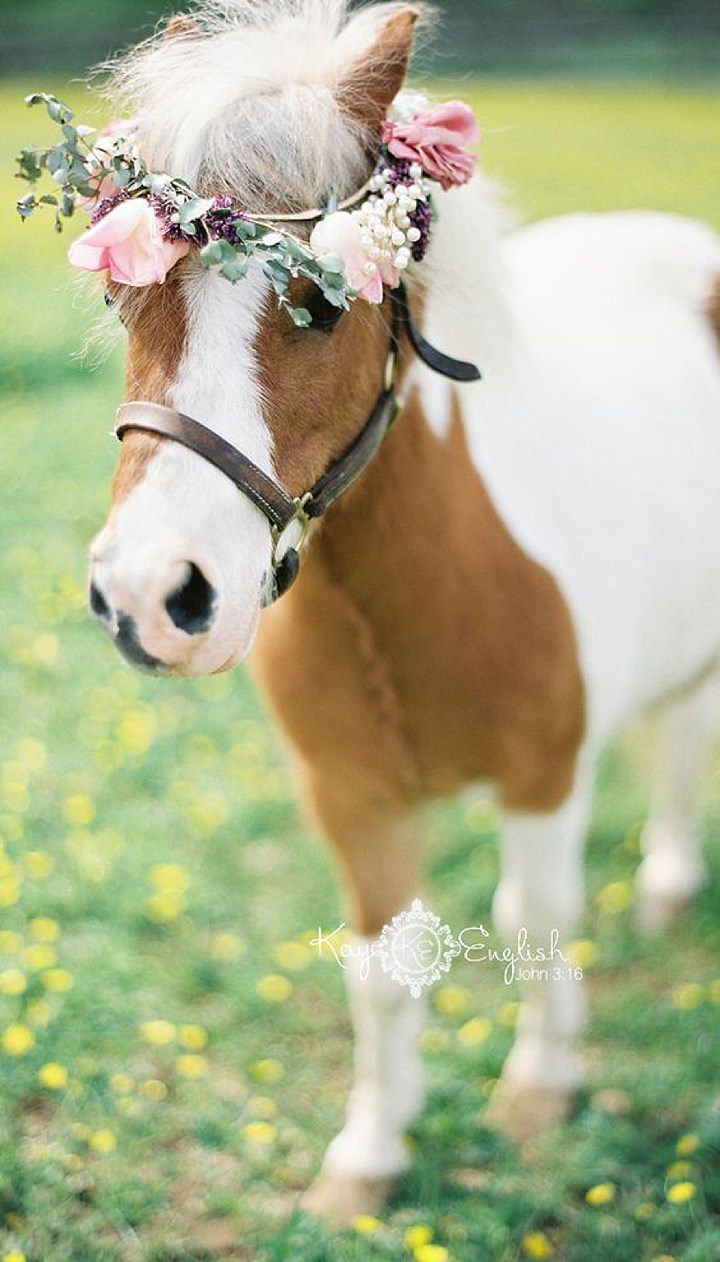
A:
(143, 223)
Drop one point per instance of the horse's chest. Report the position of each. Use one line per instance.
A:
(422, 648)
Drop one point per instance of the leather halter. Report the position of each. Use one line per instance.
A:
(289, 516)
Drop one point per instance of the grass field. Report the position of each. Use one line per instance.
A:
(163, 1096)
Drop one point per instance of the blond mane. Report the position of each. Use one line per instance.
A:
(243, 98)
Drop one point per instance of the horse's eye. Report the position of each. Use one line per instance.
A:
(324, 315)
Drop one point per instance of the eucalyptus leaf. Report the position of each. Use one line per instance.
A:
(194, 209)
(331, 263)
(301, 317)
(211, 254)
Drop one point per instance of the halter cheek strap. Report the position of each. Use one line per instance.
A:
(289, 516)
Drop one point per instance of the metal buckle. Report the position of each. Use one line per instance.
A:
(294, 533)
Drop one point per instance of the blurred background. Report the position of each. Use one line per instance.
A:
(173, 1058)
(625, 37)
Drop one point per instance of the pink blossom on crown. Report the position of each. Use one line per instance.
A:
(340, 234)
(438, 139)
(128, 243)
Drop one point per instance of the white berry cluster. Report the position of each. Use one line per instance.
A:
(386, 232)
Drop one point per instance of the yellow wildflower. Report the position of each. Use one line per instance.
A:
(536, 1245)
(431, 1253)
(679, 1193)
(53, 1076)
(474, 1031)
(508, 1014)
(601, 1194)
(170, 876)
(165, 906)
(39, 956)
(267, 1071)
(259, 1132)
(688, 996)
(366, 1224)
(453, 1001)
(121, 1084)
(434, 1040)
(687, 1144)
(193, 1037)
(12, 981)
(159, 1033)
(57, 979)
(191, 1065)
(103, 1140)
(274, 988)
(44, 928)
(17, 1039)
(9, 891)
(226, 947)
(14, 1256)
(136, 730)
(154, 1089)
(615, 897)
(582, 953)
(10, 941)
(294, 956)
(32, 753)
(262, 1106)
(417, 1235)
(79, 810)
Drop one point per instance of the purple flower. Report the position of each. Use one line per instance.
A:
(165, 209)
(107, 204)
(219, 221)
(421, 218)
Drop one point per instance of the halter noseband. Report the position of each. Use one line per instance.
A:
(289, 516)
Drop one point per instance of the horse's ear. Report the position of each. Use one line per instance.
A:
(180, 26)
(370, 85)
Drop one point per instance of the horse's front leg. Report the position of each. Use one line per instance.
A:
(541, 891)
(378, 844)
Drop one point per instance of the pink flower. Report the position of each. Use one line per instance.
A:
(340, 234)
(128, 242)
(438, 140)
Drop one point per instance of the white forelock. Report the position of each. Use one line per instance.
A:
(246, 101)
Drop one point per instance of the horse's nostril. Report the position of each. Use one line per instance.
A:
(98, 603)
(191, 606)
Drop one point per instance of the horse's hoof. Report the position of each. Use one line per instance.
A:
(521, 1112)
(341, 1198)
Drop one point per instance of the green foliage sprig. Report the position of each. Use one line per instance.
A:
(80, 171)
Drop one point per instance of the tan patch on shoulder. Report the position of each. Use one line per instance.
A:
(156, 341)
(480, 668)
